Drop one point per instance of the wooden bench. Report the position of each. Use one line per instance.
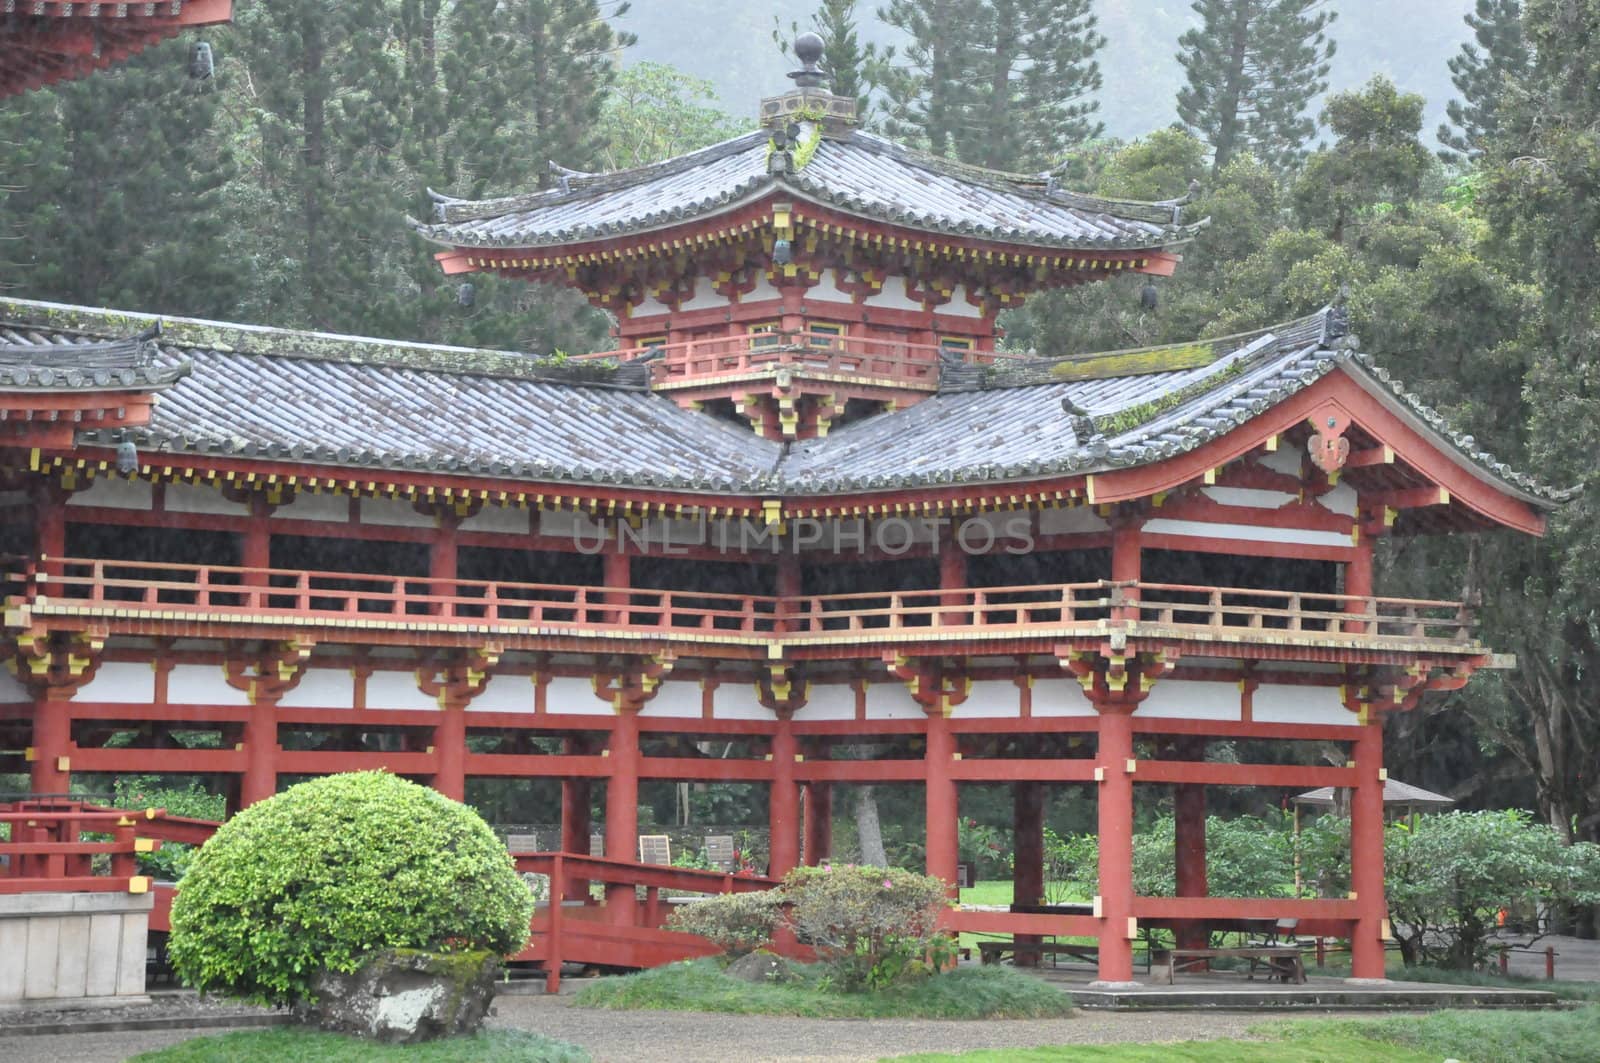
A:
(1281, 961)
(994, 951)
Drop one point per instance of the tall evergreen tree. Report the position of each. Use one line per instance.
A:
(1253, 67)
(1481, 73)
(112, 189)
(1539, 199)
(1007, 84)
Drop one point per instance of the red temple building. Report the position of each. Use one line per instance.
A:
(807, 504)
(45, 41)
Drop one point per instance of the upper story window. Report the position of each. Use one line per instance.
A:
(825, 333)
(764, 334)
(957, 343)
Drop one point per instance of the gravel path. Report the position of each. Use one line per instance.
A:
(692, 1037)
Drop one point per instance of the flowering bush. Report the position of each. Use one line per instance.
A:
(873, 927)
(738, 923)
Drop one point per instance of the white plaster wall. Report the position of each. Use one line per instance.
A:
(1284, 459)
(1246, 532)
(123, 682)
(893, 297)
(705, 296)
(507, 520)
(116, 493)
(308, 506)
(570, 526)
(504, 693)
(761, 292)
(1070, 520)
(197, 498)
(397, 690)
(12, 692)
(202, 684)
(1188, 699)
(1060, 697)
(393, 513)
(681, 701)
(574, 695)
(1247, 496)
(990, 699)
(892, 701)
(740, 703)
(1341, 500)
(1281, 703)
(829, 701)
(958, 305)
(322, 688)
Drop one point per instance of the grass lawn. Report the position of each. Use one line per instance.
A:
(291, 1044)
(701, 985)
(1470, 1036)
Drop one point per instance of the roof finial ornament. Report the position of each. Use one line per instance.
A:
(1336, 332)
(808, 48)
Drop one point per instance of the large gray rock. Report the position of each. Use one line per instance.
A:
(403, 996)
(762, 968)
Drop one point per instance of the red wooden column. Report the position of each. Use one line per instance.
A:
(1125, 555)
(952, 575)
(1366, 854)
(442, 561)
(575, 824)
(50, 764)
(1115, 829)
(943, 807)
(622, 810)
(1358, 581)
(784, 800)
(260, 779)
(450, 748)
(618, 576)
(818, 823)
(1189, 840)
(1027, 861)
(50, 520)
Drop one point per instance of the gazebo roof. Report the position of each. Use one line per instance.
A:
(855, 173)
(1395, 792)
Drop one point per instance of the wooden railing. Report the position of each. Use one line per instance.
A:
(54, 845)
(223, 593)
(822, 352)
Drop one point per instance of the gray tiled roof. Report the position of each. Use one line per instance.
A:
(353, 402)
(110, 365)
(266, 393)
(859, 173)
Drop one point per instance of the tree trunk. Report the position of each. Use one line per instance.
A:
(869, 832)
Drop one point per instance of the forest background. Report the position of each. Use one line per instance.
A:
(1438, 160)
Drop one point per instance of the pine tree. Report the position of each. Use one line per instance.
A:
(112, 190)
(1481, 76)
(1007, 84)
(1253, 67)
(930, 94)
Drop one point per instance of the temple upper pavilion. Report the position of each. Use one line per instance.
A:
(808, 505)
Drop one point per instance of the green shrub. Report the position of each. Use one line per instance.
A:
(332, 869)
(872, 926)
(737, 923)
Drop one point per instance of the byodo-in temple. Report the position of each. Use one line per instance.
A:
(807, 505)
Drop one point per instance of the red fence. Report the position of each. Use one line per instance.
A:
(222, 593)
(53, 845)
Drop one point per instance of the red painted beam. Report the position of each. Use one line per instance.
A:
(965, 920)
(1242, 908)
(1021, 769)
(173, 761)
(1215, 774)
(543, 765)
(873, 771)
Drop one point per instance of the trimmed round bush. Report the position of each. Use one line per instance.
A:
(333, 869)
